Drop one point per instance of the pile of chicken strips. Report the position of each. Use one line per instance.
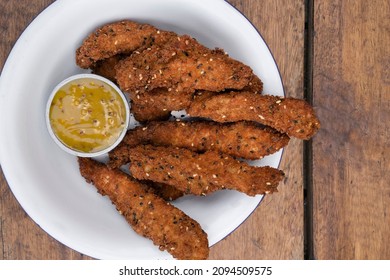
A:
(230, 122)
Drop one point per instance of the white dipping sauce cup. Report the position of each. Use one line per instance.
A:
(74, 151)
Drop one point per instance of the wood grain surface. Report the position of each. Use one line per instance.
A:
(351, 168)
(336, 54)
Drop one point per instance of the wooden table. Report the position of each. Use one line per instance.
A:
(335, 200)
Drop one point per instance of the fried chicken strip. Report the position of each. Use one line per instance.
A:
(182, 64)
(122, 37)
(165, 191)
(201, 174)
(240, 139)
(255, 85)
(295, 117)
(157, 104)
(106, 67)
(149, 215)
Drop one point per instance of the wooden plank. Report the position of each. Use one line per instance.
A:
(275, 230)
(351, 81)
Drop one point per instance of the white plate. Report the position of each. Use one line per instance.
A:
(46, 181)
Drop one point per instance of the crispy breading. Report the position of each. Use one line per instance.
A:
(158, 103)
(255, 85)
(122, 37)
(181, 64)
(246, 140)
(106, 67)
(149, 215)
(175, 66)
(167, 192)
(201, 174)
(292, 116)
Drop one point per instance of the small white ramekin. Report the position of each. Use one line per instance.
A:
(76, 152)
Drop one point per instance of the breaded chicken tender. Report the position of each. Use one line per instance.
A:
(157, 104)
(295, 117)
(246, 140)
(149, 215)
(123, 37)
(181, 64)
(106, 67)
(201, 174)
(255, 85)
(167, 192)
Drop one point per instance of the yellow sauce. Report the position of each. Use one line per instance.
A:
(87, 115)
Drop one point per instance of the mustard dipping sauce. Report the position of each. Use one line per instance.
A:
(87, 115)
